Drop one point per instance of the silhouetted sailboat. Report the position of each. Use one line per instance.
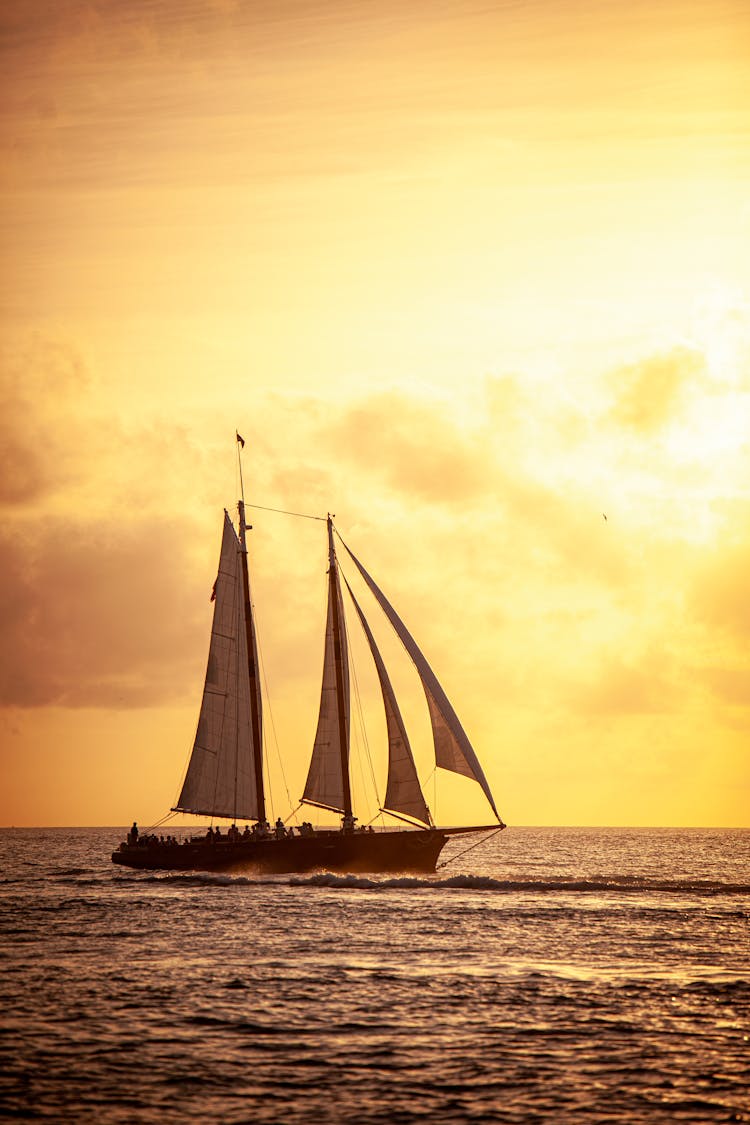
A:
(225, 776)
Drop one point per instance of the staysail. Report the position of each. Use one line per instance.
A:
(220, 778)
(328, 777)
(453, 751)
(403, 792)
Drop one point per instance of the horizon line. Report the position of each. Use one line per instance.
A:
(602, 827)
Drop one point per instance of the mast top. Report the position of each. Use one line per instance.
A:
(331, 548)
(241, 503)
(240, 446)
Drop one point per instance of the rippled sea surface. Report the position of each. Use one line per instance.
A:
(556, 975)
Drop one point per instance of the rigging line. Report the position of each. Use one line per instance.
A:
(266, 752)
(227, 684)
(167, 816)
(240, 623)
(270, 713)
(360, 713)
(264, 736)
(189, 754)
(269, 786)
(363, 733)
(293, 813)
(484, 840)
(284, 512)
(366, 739)
(235, 609)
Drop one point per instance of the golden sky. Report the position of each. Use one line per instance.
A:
(470, 275)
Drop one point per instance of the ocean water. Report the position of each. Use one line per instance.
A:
(549, 975)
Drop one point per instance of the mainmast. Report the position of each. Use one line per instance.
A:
(252, 670)
(333, 593)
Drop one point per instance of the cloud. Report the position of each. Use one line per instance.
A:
(94, 610)
(720, 596)
(649, 392)
(414, 447)
(486, 505)
(96, 618)
(41, 385)
(483, 479)
(629, 686)
(731, 685)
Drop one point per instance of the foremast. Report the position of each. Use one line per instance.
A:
(334, 590)
(252, 670)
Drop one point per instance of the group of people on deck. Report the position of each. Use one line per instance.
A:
(135, 839)
(348, 825)
(260, 831)
(213, 835)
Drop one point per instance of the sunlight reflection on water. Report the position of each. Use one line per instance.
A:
(499, 992)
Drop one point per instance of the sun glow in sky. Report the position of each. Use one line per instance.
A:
(474, 276)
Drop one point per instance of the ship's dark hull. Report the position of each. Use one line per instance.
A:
(373, 852)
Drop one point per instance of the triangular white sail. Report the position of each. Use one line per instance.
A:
(220, 778)
(403, 792)
(325, 782)
(453, 751)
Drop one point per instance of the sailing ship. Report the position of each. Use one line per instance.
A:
(225, 774)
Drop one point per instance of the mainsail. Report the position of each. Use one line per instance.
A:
(328, 777)
(220, 778)
(453, 751)
(403, 792)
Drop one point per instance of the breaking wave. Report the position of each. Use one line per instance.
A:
(617, 885)
(622, 884)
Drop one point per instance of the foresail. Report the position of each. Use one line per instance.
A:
(220, 778)
(403, 791)
(453, 751)
(325, 783)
